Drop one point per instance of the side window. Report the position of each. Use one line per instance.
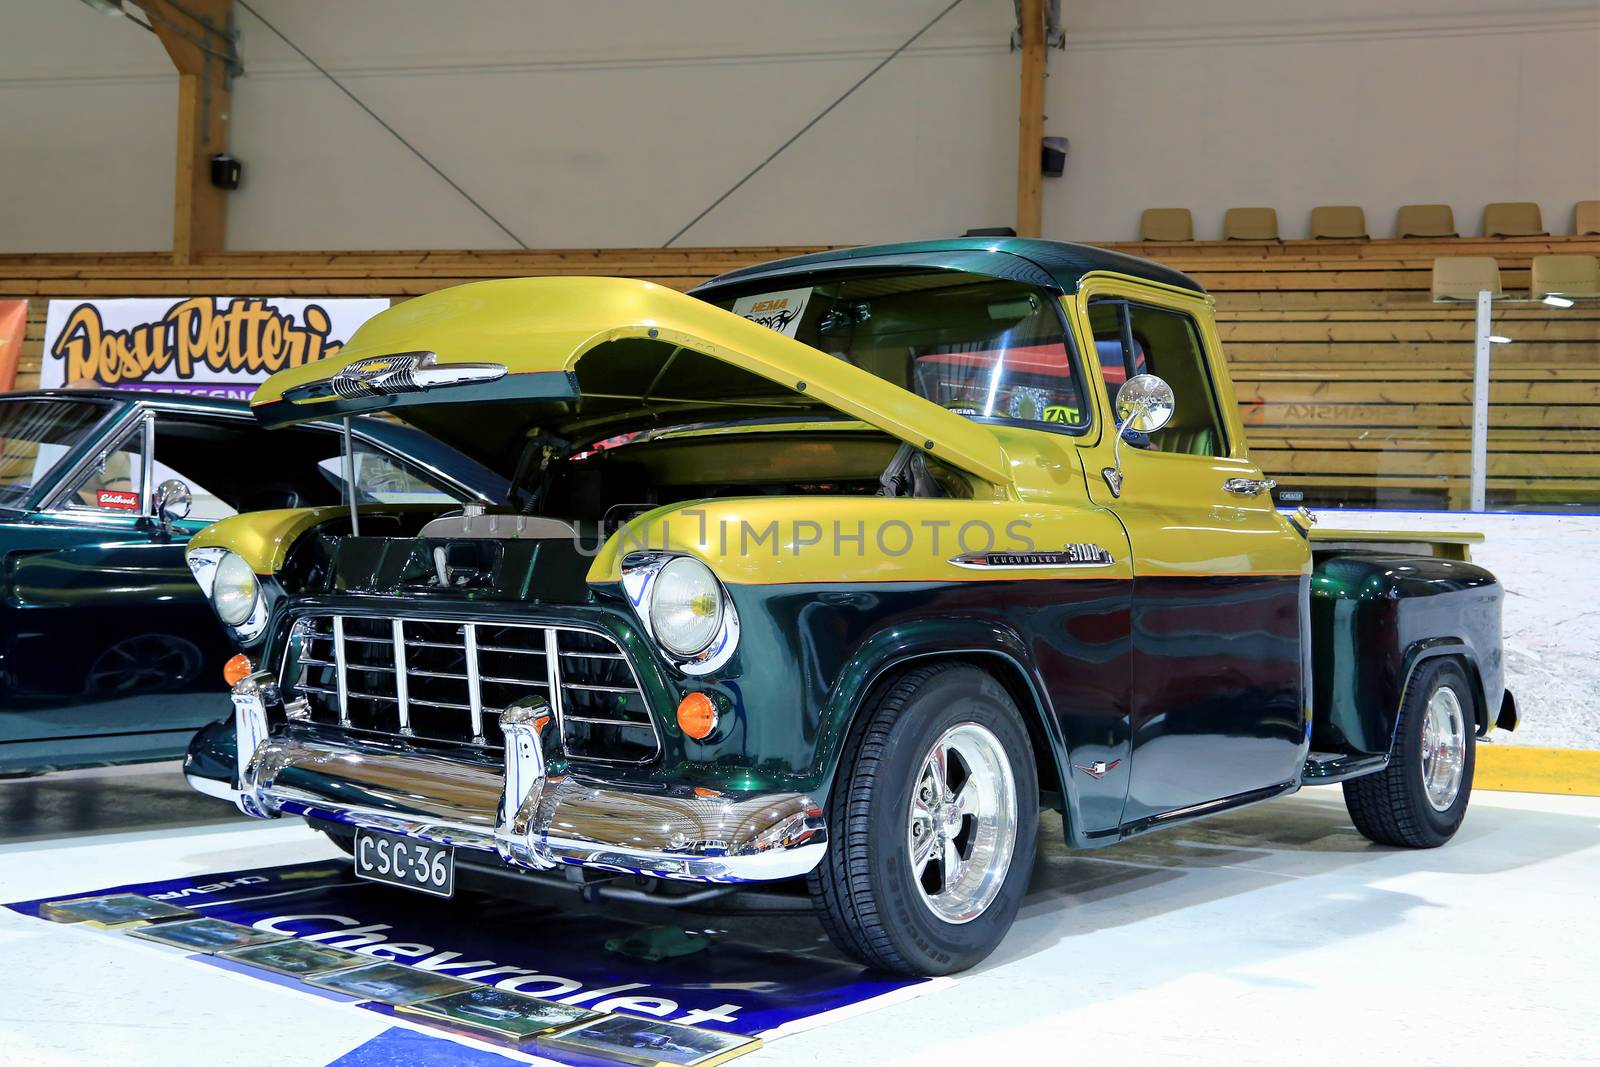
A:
(215, 457)
(114, 485)
(383, 479)
(233, 465)
(986, 348)
(205, 506)
(1135, 339)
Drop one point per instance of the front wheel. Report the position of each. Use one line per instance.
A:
(932, 824)
(1419, 800)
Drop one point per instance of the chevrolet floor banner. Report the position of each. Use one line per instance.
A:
(567, 953)
(214, 346)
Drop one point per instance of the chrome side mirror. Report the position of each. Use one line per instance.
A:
(173, 501)
(1145, 404)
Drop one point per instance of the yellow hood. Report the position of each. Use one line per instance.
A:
(588, 358)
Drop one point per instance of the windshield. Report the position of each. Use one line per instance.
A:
(981, 347)
(35, 436)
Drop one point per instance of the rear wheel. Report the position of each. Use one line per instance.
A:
(144, 663)
(932, 824)
(1420, 799)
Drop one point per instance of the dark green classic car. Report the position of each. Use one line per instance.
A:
(108, 652)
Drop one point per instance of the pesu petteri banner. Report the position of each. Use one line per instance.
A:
(210, 345)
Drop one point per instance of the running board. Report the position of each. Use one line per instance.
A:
(1326, 768)
(1210, 807)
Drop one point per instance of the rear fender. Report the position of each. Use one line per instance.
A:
(1375, 619)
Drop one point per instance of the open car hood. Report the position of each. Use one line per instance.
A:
(590, 358)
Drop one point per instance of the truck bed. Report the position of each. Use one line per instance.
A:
(1438, 544)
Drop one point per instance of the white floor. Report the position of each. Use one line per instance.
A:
(1271, 936)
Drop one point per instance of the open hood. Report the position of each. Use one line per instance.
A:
(482, 366)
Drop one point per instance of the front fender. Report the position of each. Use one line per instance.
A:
(1374, 619)
(997, 647)
(284, 549)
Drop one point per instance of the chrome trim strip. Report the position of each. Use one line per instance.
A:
(1073, 557)
(527, 731)
(147, 468)
(623, 724)
(552, 668)
(560, 819)
(402, 691)
(339, 658)
(469, 648)
(389, 613)
(250, 733)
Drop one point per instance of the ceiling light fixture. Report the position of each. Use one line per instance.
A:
(1557, 301)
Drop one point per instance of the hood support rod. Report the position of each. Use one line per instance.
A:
(350, 478)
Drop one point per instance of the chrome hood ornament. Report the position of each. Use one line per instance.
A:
(404, 372)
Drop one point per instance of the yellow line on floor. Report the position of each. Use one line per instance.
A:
(1518, 769)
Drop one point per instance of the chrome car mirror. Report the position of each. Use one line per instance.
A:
(1145, 404)
(173, 501)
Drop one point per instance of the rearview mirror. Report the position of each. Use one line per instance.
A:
(173, 501)
(1145, 404)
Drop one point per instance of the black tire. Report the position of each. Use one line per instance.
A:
(1392, 807)
(142, 663)
(864, 890)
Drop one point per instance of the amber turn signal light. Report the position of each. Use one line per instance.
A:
(237, 669)
(697, 716)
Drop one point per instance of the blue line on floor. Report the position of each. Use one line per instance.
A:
(398, 1047)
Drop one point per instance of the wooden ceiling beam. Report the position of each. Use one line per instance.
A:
(198, 37)
(1030, 125)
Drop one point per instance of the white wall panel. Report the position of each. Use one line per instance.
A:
(613, 124)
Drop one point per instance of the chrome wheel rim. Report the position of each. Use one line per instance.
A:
(961, 829)
(1444, 748)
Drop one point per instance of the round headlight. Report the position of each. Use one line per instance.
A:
(686, 606)
(235, 590)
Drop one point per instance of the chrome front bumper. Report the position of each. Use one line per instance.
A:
(527, 812)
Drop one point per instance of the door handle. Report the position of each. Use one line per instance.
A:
(1249, 486)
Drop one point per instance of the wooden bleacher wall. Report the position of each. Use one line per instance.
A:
(1353, 384)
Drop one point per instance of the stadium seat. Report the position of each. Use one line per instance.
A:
(1338, 222)
(1565, 276)
(1463, 277)
(1166, 224)
(1513, 220)
(1586, 218)
(1250, 224)
(1425, 220)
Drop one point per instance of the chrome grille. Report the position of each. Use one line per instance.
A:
(448, 680)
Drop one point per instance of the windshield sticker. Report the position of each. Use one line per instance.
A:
(1060, 413)
(117, 500)
(779, 312)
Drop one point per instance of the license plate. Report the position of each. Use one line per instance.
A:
(405, 861)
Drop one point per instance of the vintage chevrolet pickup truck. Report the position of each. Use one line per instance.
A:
(841, 568)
